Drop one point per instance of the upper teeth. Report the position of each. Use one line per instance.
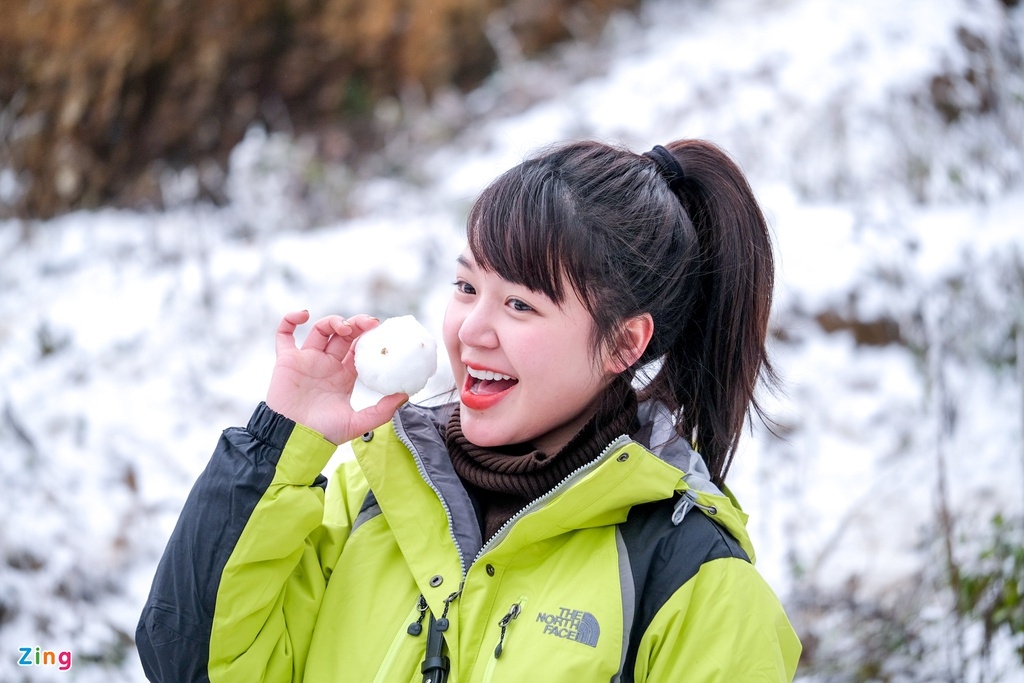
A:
(486, 374)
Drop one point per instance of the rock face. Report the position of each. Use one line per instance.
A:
(96, 96)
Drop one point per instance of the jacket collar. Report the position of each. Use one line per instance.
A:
(654, 466)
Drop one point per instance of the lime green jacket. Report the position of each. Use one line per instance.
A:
(635, 568)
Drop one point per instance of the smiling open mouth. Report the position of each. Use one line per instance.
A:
(488, 382)
(484, 388)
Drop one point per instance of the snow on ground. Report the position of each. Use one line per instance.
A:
(129, 340)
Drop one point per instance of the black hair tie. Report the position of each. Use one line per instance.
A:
(669, 167)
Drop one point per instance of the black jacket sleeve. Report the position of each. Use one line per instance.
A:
(173, 635)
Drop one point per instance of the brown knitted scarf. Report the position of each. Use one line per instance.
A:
(504, 480)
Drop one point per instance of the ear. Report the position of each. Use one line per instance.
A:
(633, 339)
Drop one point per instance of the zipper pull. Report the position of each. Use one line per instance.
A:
(416, 627)
(513, 612)
(442, 623)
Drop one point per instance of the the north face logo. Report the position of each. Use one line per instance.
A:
(572, 624)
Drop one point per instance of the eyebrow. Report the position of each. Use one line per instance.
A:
(465, 262)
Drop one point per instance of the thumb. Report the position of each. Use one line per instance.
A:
(376, 415)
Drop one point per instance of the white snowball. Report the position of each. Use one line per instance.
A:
(398, 356)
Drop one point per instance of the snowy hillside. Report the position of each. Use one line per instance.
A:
(886, 142)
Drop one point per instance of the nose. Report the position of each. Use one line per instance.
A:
(477, 329)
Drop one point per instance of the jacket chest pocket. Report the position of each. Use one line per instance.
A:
(558, 644)
(573, 627)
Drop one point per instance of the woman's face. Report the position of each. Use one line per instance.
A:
(523, 365)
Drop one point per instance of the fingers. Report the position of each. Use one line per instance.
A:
(363, 322)
(324, 329)
(359, 325)
(332, 334)
(285, 335)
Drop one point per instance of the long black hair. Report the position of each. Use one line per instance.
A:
(694, 254)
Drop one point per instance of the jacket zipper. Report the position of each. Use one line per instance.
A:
(516, 609)
(503, 529)
(407, 442)
(441, 624)
(403, 437)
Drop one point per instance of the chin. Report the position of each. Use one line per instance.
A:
(483, 440)
(478, 435)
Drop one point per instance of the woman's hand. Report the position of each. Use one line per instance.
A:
(312, 385)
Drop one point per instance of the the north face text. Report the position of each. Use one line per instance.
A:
(571, 624)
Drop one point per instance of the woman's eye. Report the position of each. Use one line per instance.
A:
(464, 287)
(519, 305)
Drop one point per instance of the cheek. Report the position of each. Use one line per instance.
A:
(568, 358)
(536, 357)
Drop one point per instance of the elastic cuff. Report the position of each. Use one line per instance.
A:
(269, 427)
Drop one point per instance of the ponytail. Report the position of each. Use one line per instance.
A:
(710, 371)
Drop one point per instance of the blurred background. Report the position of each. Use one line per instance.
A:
(176, 174)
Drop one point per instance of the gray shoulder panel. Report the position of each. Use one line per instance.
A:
(369, 510)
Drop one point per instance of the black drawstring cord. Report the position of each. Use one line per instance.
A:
(435, 665)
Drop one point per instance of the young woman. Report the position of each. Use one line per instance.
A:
(566, 518)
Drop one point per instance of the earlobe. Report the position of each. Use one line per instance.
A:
(634, 337)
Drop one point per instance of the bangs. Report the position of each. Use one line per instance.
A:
(525, 228)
